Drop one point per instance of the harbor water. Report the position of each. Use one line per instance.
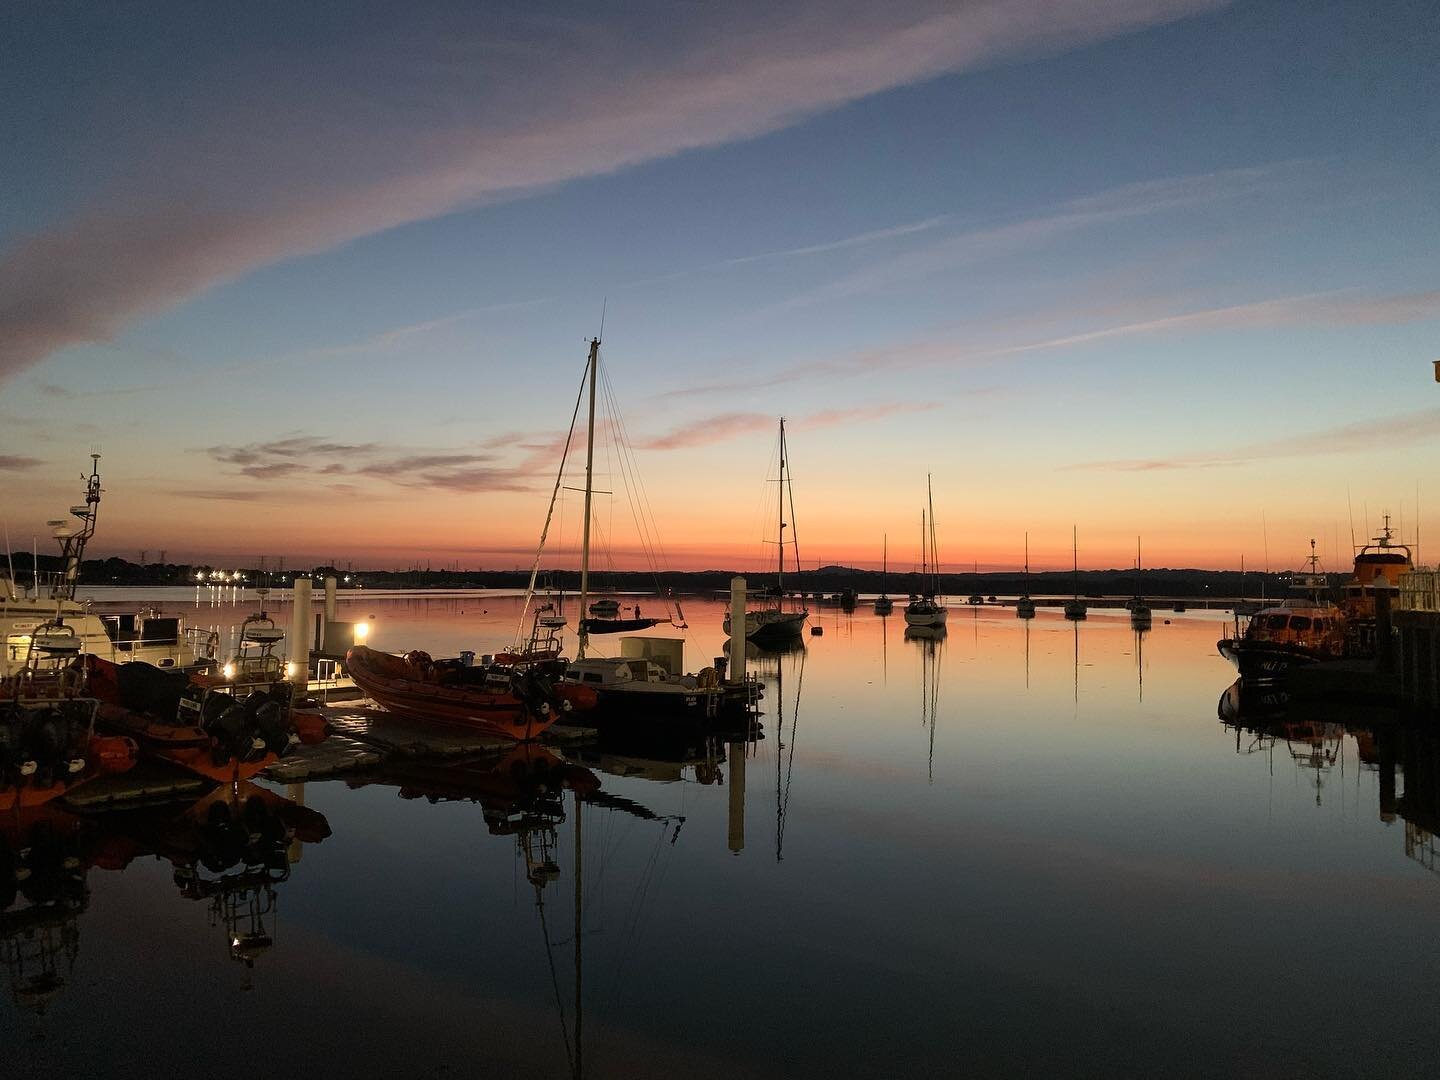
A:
(1023, 847)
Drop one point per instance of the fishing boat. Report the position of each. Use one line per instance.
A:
(1075, 609)
(1305, 630)
(1379, 565)
(1025, 607)
(1141, 616)
(646, 684)
(883, 604)
(147, 635)
(226, 724)
(772, 621)
(48, 742)
(926, 609)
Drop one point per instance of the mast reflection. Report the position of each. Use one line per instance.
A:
(931, 642)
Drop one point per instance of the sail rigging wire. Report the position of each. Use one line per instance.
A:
(636, 497)
(790, 492)
(545, 531)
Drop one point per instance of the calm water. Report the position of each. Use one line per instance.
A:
(1025, 848)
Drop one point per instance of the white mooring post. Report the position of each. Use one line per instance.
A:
(736, 672)
(300, 624)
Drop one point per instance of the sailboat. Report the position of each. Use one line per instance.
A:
(883, 604)
(1075, 609)
(1140, 615)
(647, 685)
(772, 621)
(925, 610)
(1025, 607)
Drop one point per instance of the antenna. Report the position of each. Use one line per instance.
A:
(10, 585)
(604, 303)
(1350, 509)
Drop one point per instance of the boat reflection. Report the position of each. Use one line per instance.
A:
(930, 640)
(1264, 720)
(229, 849)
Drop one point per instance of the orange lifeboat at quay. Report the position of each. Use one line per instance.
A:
(206, 723)
(515, 704)
(48, 744)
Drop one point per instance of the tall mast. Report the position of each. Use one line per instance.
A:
(924, 556)
(934, 554)
(884, 562)
(780, 517)
(589, 485)
(1075, 558)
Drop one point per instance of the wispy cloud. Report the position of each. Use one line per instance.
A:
(18, 462)
(727, 426)
(864, 239)
(430, 137)
(976, 244)
(298, 456)
(1333, 308)
(1380, 433)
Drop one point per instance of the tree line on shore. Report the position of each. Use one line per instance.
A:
(1160, 581)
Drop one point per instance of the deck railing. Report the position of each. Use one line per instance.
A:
(1419, 591)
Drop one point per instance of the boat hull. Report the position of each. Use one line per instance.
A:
(1264, 661)
(401, 687)
(763, 626)
(926, 618)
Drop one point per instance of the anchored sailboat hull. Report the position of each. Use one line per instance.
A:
(771, 625)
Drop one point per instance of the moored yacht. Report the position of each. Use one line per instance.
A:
(1025, 607)
(772, 621)
(1075, 608)
(883, 604)
(925, 609)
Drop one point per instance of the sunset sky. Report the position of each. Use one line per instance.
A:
(318, 279)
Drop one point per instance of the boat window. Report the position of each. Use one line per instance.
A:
(1275, 622)
(1300, 622)
(593, 676)
(572, 673)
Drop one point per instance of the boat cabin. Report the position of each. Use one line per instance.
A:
(607, 672)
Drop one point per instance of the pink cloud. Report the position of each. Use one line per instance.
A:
(312, 152)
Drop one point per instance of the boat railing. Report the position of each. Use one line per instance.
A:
(1419, 591)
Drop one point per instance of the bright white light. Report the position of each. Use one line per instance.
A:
(228, 671)
(290, 669)
(362, 631)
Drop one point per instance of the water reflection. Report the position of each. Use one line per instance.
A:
(617, 908)
(931, 642)
(1265, 720)
(229, 851)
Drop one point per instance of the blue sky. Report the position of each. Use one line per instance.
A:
(1153, 266)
